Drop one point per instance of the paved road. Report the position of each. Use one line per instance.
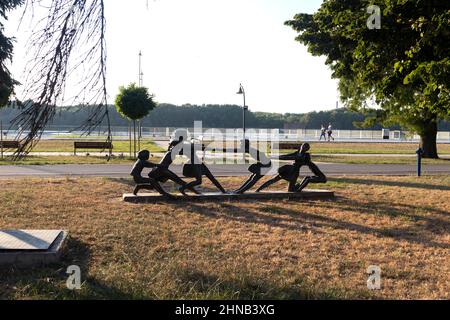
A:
(122, 170)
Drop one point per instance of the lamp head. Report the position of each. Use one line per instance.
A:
(241, 90)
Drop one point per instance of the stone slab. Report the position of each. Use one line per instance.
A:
(304, 195)
(34, 257)
(27, 239)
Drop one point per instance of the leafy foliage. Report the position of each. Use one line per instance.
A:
(7, 83)
(134, 102)
(404, 67)
(216, 116)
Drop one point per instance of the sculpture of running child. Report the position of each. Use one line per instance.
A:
(256, 169)
(195, 167)
(160, 172)
(142, 182)
(291, 172)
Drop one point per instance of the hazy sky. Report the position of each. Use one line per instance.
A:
(198, 51)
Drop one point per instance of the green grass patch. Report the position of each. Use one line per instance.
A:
(67, 146)
(54, 160)
(376, 160)
(268, 249)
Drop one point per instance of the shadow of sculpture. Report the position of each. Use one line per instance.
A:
(290, 219)
(372, 182)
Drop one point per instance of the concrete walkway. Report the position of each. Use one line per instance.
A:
(122, 170)
(219, 154)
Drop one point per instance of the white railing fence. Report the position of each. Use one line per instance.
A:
(61, 132)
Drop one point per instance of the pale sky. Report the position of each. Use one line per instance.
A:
(198, 51)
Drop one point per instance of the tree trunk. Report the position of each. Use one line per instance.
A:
(134, 137)
(428, 140)
(129, 135)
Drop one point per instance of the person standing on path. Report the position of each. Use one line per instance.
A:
(323, 133)
(330, 133)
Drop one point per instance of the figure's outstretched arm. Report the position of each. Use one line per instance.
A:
(149, 164)
(290, 156)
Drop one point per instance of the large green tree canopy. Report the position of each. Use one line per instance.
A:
(404, 66)
(134, 102)
(6, 51)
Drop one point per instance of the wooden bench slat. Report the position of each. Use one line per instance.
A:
(288, 146)
(10, 144)
(94, 145)
(91, 145)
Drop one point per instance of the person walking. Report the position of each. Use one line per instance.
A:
(323, 133)
(330, 133)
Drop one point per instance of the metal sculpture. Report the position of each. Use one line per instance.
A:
(291, 172)
(196, 168)
(263, 162)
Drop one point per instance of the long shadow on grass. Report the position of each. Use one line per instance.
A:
(391, 183)
(436, 225)
(49, 282)
(301, 220)
(196, 284)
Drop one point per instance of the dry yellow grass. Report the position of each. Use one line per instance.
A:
(233, 250)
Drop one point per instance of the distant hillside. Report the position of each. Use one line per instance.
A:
(214, 116)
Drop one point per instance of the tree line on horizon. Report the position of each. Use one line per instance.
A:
(217, 116)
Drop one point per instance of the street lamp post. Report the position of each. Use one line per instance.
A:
(244, 108)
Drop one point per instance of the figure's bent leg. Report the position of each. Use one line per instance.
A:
(142, 183)
(250, 183)
(292, 183)
(242, 187)
(184, 185)
(139, 187)
(172, 176)
(191, 185)
(308, 180)
(158, 188)
(269, 183)
(213, 179)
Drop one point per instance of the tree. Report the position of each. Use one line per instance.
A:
(134, 103)
(7, 83)
(70, 36)
(403, 67)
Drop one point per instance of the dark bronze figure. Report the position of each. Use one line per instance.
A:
(142, 182)
(263, 162)
(159, 173)
(196, 168)
(291, 173)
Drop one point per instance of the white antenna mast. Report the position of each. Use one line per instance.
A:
(141, 74)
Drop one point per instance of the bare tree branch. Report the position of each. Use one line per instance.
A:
(70, 38)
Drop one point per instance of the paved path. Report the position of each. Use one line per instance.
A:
(122, 170)
(231, 155)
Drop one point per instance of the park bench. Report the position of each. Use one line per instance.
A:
(224, 150)
(10, 144)
(289, 146)
(91, 145)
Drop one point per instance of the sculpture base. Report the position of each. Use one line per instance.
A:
(29, 248)
(214, 196)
